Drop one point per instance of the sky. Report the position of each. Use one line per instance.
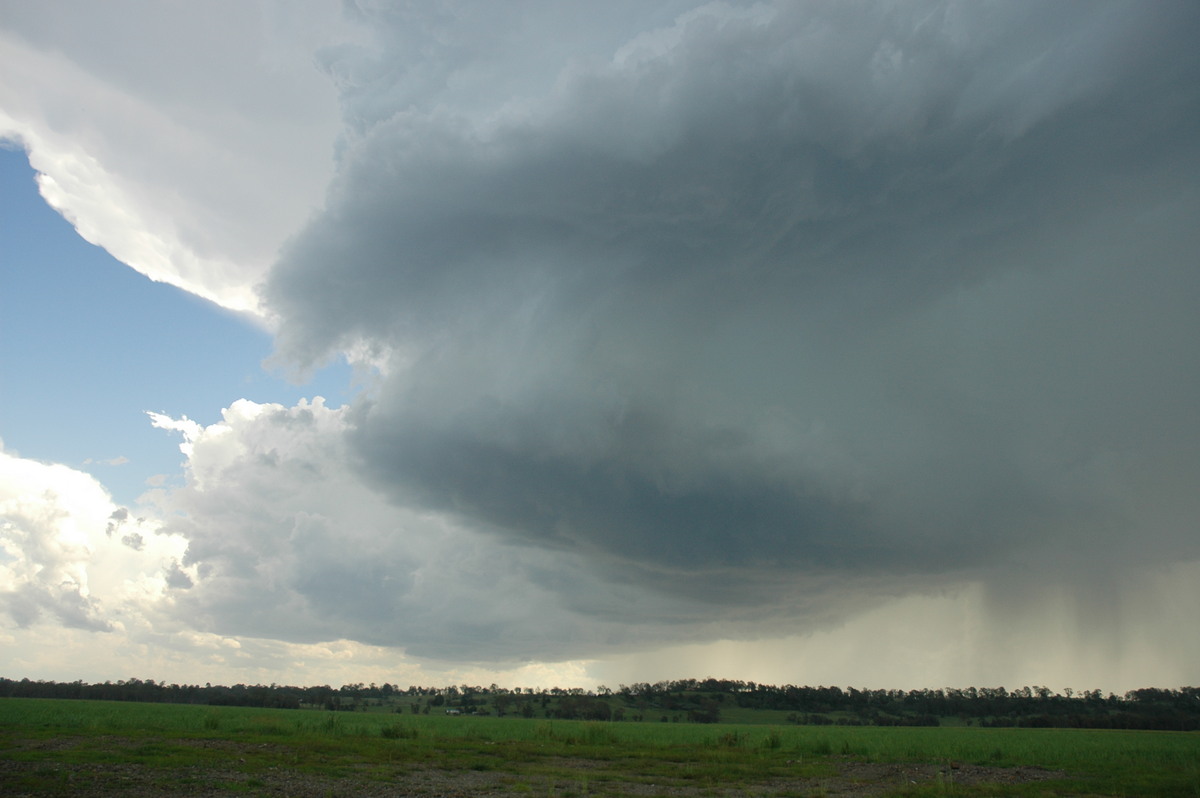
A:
(576, 344)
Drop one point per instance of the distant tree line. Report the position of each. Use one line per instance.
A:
(685, 700)
(1146, 708)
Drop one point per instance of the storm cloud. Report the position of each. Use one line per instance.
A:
(782, 291)
(791, 341)
(285, 542)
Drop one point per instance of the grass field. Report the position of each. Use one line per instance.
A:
(51, 747)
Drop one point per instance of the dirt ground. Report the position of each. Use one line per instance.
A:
(854, 779)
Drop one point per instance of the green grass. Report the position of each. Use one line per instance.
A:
(64, 744)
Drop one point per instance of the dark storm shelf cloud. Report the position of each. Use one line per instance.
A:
(285, 542)
(795, 289)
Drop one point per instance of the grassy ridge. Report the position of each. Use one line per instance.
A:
(341, 745)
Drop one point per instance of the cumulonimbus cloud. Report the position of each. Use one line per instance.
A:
(783, 290)
(694, 321)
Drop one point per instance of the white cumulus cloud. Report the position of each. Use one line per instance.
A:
(71, 557)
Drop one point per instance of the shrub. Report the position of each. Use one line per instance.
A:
(397, 731)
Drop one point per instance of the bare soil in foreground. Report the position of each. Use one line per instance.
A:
(572, 779)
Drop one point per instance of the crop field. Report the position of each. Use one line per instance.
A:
(88, 748)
